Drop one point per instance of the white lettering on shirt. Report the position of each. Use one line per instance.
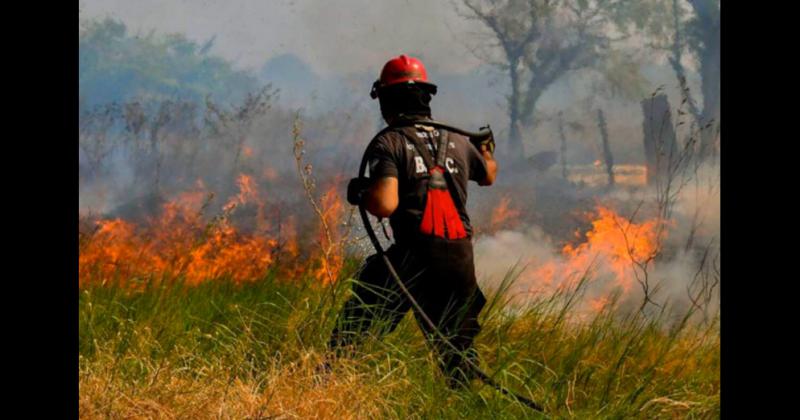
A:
(421, 169)
(448, 162)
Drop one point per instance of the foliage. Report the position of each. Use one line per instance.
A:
(116, 66)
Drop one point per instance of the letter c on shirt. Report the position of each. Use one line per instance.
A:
(450, 167)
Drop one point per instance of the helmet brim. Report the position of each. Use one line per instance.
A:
(377, 86)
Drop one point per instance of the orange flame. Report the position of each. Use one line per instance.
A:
(181, 242)
(247, 192)
(288, 236)
(503, 216)
(331, 257)
(614, 249)
(177, 242)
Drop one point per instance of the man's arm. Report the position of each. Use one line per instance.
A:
(491, 167)
(382, 197)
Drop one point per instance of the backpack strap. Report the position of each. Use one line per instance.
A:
(441, 156)
(441, 148)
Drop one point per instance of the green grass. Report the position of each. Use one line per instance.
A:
(220, 350)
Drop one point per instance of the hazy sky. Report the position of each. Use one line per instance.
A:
(331, 36)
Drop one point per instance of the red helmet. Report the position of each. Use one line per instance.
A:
(402, 69)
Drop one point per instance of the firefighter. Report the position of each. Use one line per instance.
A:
(432, 250)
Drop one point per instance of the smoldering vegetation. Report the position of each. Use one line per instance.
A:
(136, 158)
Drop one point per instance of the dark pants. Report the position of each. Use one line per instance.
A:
(440, 274)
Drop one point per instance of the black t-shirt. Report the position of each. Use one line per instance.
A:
(394, 155)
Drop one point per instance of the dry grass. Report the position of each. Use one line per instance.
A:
(289, 391)
(251, 351)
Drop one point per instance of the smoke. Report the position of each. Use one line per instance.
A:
(683, 273)
(507, 251)
(345, 54)
(699, 205)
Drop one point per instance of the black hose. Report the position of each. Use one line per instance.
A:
(379, 249)
(483, 134)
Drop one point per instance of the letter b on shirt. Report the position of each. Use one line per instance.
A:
(421, 169)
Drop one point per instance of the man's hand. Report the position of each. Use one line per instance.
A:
(355, 190)
(491, 165)
(487, 144)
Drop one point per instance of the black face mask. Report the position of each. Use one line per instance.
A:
(406, 99)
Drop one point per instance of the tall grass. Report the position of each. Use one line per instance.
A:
(220, 350)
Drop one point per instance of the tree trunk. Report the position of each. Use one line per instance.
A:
(521, 119)
(515, 149)
(709, 74)
(607, 156)
(660, 144)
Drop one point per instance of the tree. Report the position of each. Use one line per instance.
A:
(688, 31)
(115, 66)
(540, 41)
(703, 38)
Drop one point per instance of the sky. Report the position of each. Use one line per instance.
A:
(333, 37)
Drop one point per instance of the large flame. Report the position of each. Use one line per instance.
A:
(180, 241)
(614, 256)
(177, 242)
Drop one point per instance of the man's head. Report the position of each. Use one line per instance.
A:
(403, 88)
